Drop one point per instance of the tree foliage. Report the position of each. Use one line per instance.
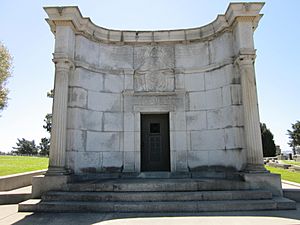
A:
(48, 121)
(268, 144)
(45, 142)
(44, 146)
(50, 94)
(25, 147)
(294, 136)
(5, 73)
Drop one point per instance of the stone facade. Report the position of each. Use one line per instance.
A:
(203, 78)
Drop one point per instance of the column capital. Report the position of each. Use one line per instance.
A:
(62, 61)
(245, 57)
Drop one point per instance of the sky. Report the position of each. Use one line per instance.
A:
(26, 34)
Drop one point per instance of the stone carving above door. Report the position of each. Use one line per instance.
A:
(154, 69)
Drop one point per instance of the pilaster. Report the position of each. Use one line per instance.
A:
(63, 59)
(57, 159)
(253, 142)
(244, 19)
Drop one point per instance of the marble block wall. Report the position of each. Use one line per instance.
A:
(196, 83)
(203, 78)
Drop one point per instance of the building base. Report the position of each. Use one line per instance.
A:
(44, 183)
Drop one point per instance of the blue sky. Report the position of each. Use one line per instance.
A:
(28, 37)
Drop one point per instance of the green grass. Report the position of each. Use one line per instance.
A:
(20, 164)
(291, 162)
(285, 174)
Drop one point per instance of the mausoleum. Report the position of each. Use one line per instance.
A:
(175, 100)
(165, 103)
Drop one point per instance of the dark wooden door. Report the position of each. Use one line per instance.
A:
(155, 142)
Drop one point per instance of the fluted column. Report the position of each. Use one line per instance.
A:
(57, 156)
(251, 115)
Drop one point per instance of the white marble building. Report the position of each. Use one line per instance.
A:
(193, 89)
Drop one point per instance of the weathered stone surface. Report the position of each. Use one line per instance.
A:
(113, 121)
(232, 95)
(177, 121)
(129, 161)
(192, 55)
(104, 101)
(234, 138)
(211, 99)
(195, 82)
(196, 120)
(226, 158)
(87, 51)
(215, 119)
(87, 79)
(76, 140)
(181, 161)
(113, 161)
(129, 141)
(221, 48)
(179, 81)
(116, 57)
(219, 78)
(113, 83)
(88, 162)
(77, 97)
(103, 141)
(225, 117)
(128, 82)
(129, 121)
(83, 119)
(207, 140)
(196, 159)
(178, 140)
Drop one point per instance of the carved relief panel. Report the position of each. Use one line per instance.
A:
(154, 68)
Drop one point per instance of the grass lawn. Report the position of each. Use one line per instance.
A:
(20, 164)
(285, 174)
(291, 162)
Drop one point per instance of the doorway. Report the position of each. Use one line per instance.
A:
(155, 142)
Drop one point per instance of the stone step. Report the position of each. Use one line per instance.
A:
(137, 185)
(157, 196)
(36, 205)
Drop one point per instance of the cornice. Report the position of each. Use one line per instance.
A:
(71, 16)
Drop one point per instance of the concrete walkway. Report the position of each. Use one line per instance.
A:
(15, 196)
(289, 185)
(9, 215)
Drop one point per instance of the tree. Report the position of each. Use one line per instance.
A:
(25, 147)
(268, 144)
(45, 142)
(5, 73)
(44, 146)
(48, 121)
(294, 136)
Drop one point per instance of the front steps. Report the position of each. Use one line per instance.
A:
(156, 196)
